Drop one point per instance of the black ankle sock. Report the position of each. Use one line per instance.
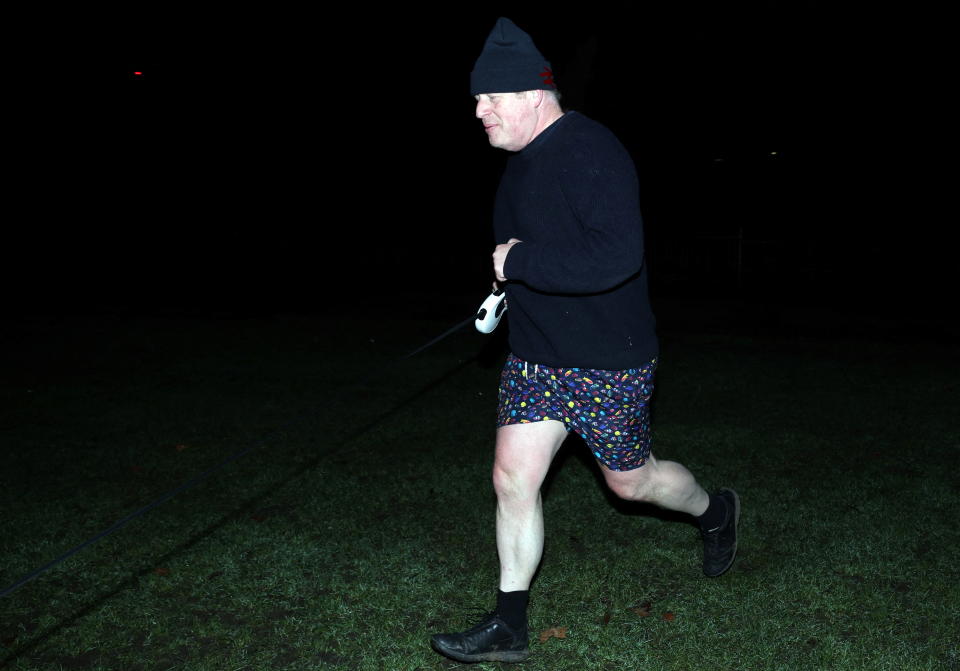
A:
(512, 608)
(715, 514)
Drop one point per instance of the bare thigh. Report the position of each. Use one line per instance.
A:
(524, 453)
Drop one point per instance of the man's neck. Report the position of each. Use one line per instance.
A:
(545, 121)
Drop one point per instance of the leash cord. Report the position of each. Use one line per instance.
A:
(187, 485)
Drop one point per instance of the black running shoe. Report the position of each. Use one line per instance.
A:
(490, 641)
(720, 544)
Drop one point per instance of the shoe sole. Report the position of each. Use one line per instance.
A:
(495, 656)
(736, 532)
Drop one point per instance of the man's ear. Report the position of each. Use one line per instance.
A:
(538, 97)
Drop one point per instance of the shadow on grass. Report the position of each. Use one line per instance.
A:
(251, 505)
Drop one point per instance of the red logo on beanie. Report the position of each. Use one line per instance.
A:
(547, 76)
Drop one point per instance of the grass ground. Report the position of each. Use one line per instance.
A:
(362, 522)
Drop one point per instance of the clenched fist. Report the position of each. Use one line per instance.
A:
(500, 257)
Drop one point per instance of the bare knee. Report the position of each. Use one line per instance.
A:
(514, 483)
(523, 456)
(632, 485)
(629, 491)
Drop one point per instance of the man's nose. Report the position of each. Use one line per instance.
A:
(482, 109)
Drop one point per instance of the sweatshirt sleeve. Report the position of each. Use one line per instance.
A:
(602, 246)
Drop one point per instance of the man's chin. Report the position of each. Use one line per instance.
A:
(501, 145)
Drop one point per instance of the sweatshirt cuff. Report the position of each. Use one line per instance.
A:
(514, 263)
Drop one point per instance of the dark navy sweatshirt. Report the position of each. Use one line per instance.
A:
(577, 291)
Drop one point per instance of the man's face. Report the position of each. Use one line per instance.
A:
(509, 119)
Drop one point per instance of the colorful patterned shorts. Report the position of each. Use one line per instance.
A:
(609, 409)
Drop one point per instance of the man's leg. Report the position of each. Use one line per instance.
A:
(665, 484)
(524, 453)
(523, 456)
(669, 485)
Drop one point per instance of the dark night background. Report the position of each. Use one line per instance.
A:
(283, 159)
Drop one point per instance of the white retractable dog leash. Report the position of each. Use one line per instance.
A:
(491, 310)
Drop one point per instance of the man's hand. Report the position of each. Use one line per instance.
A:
(500, 257)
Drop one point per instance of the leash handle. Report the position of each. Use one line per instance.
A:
(490, 312)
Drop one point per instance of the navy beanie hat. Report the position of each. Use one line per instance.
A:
(509, 63)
